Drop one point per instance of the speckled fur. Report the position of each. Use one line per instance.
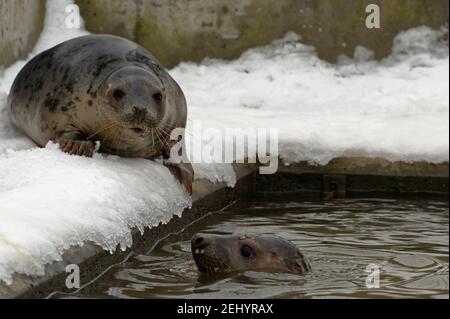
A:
(57, 92)
(66, 95)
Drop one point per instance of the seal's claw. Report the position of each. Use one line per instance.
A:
(76, 147)
(184, 173)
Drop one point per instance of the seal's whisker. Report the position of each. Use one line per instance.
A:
(168, 129)
(164, 142)
(120, 139)
(153, 139)
(78, 124)
(165, 132)
(106, 127)
(111, 131)
(158, 136)
(117, 140)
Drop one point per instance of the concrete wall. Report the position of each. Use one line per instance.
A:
(21, 23)
(176, 30)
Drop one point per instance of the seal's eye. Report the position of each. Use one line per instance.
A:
(118, 94)
(157, 97)
(246, 251)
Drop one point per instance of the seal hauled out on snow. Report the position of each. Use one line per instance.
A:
(220, 254)
(101, 88)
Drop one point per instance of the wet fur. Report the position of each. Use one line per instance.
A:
(221, 254)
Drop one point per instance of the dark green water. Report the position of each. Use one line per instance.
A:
(407, 239)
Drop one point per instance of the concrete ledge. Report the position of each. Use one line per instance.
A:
(357, 175)
(370, 166)
(21, 23)
(360, 175)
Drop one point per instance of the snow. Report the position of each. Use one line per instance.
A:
(44, 210)
(396, 108)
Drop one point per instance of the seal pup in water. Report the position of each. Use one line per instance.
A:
(101, 88)
(220, 254)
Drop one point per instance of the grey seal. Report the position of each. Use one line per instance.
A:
(101, 88)
(221, 254)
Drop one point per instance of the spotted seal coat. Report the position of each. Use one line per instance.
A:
(101, 88)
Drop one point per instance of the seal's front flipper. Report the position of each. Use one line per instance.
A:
(184, 173)
(77, 147)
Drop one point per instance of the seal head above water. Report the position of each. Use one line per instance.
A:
(100, 88)
(220, 254)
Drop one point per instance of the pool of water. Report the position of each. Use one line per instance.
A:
(346, 241)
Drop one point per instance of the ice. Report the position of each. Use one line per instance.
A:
(215, 172)
(396, 108)
(50, 201)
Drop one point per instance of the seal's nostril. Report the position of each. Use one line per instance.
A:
(139, 113)
(137, 129)
(139, 110)
(198, 241)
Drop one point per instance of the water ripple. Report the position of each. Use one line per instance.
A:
(408, 240)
